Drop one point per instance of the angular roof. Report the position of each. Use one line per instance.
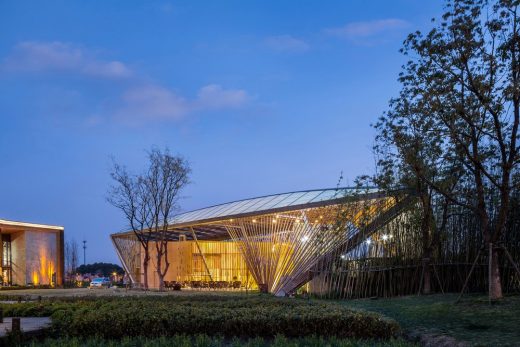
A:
(272, 204)
(209, 223)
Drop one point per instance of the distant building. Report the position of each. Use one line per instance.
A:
(31, 254)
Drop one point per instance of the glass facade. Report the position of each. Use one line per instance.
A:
(265, 203)
(7, 259)
(272, 243)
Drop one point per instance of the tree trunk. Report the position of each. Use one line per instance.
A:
(161, 282)
(426, 229)
(495, 286)
(426, 276)
(160, 274)
(145, 269)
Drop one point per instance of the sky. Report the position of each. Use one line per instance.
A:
(261, 97)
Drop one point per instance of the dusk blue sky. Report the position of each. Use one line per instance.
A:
(261, 97)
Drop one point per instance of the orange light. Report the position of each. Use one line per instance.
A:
(35, 278)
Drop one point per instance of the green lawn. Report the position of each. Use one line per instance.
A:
(473, 320)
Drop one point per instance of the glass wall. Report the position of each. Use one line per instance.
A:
(208, 264)
(6, 260)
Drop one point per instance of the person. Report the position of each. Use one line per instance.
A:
(126, 281)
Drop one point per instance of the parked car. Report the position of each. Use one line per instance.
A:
(100, 282)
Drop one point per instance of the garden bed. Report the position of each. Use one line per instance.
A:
(209, 341)
(225, 316)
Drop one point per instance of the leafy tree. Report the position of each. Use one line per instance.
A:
(104, 269)
(455, 122)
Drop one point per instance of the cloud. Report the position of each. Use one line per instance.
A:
(368, 30)
(135, 100)
(33, 56)
(213, 96)
(286, 43)
(153, 102)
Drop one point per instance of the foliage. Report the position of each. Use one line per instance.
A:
(104, 269)
(452, 132)
(207, 341)
(213, 315)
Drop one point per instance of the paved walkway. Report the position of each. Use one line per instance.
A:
(28, 324)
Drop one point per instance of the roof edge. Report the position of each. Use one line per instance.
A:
(30, 225)
(268, 195)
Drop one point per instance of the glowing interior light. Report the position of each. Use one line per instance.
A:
(384, 237)
(274, 220)
(315, 221)
(321, 217)
(368, 241)
(390, 236)
(305, 238)
(343, 256)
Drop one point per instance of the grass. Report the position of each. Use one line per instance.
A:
(473, 320)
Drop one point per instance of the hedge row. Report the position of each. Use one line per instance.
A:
(207, 341)
(263, 316)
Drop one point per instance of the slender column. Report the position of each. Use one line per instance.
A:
(201, 254)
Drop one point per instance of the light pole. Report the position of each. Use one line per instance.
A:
(84, 252)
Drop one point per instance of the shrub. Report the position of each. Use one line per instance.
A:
(206, 341)
(227, 316)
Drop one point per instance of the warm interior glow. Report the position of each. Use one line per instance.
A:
(35, 278)
(45, 270)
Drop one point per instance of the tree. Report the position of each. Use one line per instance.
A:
(103, 269)
(407, 150)
(166, 177)
(463, 81)
(71, 257)
(149, 201)
(130, 195)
